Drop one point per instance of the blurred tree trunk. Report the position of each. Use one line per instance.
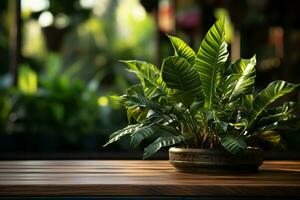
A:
(15, 37)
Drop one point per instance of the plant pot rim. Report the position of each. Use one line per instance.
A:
(193, 150)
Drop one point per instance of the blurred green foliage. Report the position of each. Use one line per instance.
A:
(5, 101)
(69, 69)
(55, 101)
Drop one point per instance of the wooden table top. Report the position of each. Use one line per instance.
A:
(120, 177)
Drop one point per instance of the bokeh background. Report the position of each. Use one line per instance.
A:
(59, 65)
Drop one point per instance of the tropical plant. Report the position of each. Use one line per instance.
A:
(202, 100)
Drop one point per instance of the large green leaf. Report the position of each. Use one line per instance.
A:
(135, 89)
(182, 49)
(178, 74)
(247, 101)
(136, 113)
(136, 100)
(272, 92)
(244, 75)
(233, 144)
(277, 114)
(149, 76)
(162, 142)
(276, 118)
(270, 137)
(154, 109)
(170, 128)
(211, 56)
(143, 133)
(120, 133)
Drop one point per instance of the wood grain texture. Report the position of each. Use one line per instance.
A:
(90, 178)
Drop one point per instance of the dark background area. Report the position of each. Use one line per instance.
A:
(59, 65)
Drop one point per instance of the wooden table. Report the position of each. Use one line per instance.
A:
(122, 178)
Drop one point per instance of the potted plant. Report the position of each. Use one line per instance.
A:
(205, 106)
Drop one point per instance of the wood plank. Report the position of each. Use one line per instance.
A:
(121, 177)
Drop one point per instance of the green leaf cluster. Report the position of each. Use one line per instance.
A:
(202, 100)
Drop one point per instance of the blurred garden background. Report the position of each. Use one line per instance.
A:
(59, 65)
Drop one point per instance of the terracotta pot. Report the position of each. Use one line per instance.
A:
(208, 160)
